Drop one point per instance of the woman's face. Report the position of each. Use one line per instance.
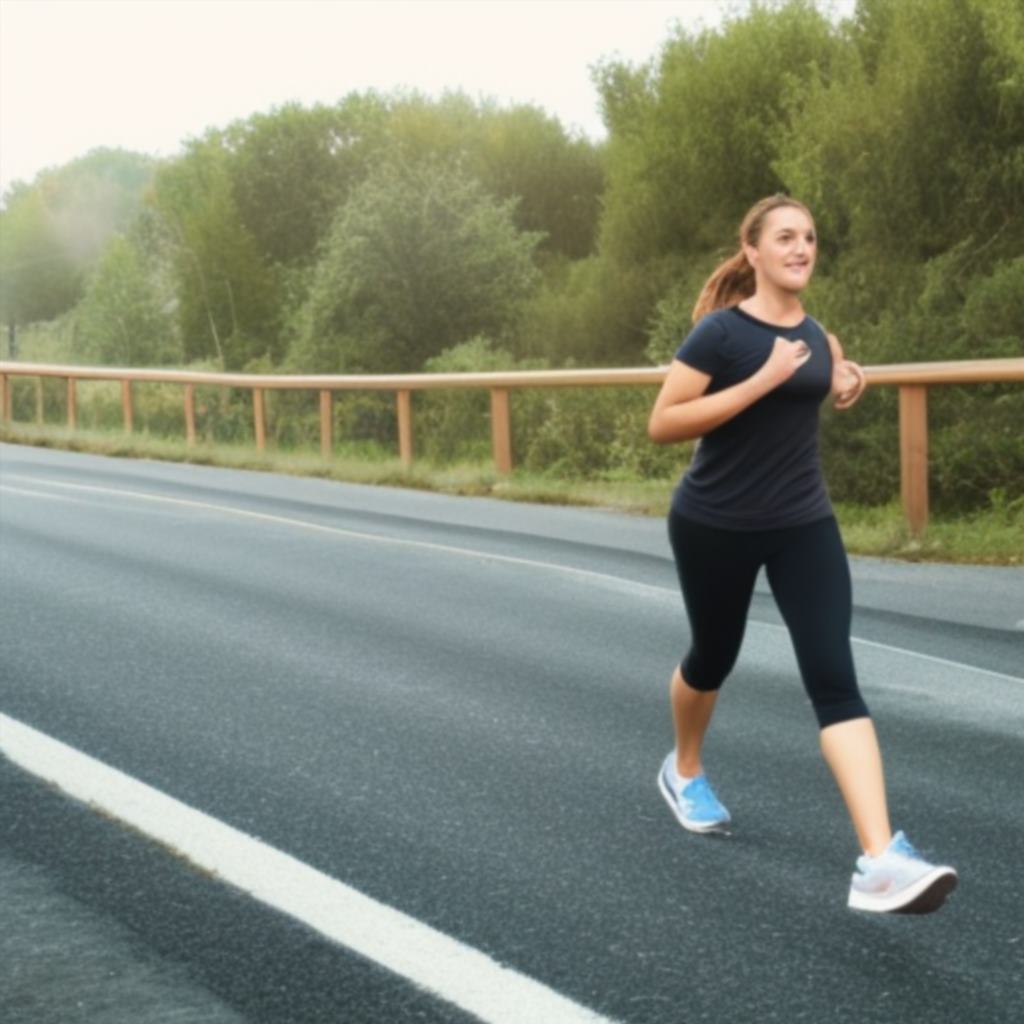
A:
(785, 253)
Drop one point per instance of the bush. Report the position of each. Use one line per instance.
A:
(599, 433)
(452, 425)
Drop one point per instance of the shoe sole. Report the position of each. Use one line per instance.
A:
(925, 896)
(691, 826)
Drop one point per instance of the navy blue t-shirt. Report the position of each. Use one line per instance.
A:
(760, 470)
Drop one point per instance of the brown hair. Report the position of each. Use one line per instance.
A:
(733, 280)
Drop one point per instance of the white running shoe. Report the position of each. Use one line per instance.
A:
(695, 805)
(899, 880)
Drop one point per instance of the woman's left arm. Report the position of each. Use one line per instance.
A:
(848, 380)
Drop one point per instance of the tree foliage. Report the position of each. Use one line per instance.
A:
(125, 318)
(693, 140)
(915, 150)
(226, 290)
(53, 231)
(245, 212)
(517, 153)
(419, 259)
(291, 169)
(39, 278)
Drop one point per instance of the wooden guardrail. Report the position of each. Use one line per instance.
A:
(912, 379)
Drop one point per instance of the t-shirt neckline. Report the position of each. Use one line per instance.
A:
(764, 323)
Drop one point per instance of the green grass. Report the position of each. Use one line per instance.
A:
(993, 537)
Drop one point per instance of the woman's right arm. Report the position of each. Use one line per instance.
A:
(682, 411)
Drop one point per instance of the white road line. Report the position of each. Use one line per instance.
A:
(338, 531)
(945, 662)
(443, 966)
(28, 492)
(604, 578)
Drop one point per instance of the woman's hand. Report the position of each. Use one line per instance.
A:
(848, 380)
(848, 383)
(786, 358)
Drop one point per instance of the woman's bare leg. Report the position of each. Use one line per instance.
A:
(691, 714)
(851, 750)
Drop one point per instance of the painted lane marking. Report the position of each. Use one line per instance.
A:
(28, 492)
(70, 499)
(355, 534)
(936, 659)
(441, 965)
(588, 574)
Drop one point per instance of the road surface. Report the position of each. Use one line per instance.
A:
(456, 709)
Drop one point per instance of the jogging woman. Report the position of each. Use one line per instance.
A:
(748, 381)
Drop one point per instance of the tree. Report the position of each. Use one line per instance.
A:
(912, 157)
(227, 293)
(123, 319)
(518, 152)
(38, 278)
(693, 137)
(918, 140)
(293, 167)
(419, 259)
(53, 230)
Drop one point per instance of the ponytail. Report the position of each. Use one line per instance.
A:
(732, 282)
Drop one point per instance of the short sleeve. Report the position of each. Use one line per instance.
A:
(704, 347)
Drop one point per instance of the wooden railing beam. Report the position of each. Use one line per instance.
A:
(259, 413)
(326, 424)
(72, 404)
(126, 405)
(914, 456)
(501, 431)
(190, 415)
(967, 371)
(404, 402)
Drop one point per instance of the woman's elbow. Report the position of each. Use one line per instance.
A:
(656, 430)
(662, 432)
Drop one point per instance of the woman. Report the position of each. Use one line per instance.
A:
(748, 381)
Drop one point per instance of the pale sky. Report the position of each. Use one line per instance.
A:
(147, 74)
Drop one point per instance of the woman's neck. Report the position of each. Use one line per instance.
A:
(775, 307)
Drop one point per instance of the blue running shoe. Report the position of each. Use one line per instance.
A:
(899, 880)
(695, 806)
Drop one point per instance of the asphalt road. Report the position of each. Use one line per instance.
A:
(458, 707)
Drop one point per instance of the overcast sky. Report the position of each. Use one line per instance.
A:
(147, 74)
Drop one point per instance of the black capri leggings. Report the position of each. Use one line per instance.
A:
(809, 576)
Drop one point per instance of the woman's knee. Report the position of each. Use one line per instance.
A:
(703, 673)
(832, 687)
(835, 712)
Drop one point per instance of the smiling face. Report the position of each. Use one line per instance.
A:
(783, 254)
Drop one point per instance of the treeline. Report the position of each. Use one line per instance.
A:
(395, 233)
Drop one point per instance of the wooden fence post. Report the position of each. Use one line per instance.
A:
(190, 415)
(914, 455)
(405, 427)
(501, 431)
(126, 405)
(326, 425)
(72, 404)
(260, 418)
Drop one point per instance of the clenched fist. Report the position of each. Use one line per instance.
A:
(848, 383)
